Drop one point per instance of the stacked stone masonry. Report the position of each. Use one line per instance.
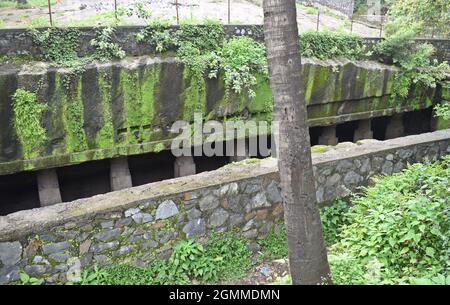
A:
(140, 224)
(18, 41)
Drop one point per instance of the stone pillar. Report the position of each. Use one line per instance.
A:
(120, 175)
(364, 130)
(48, 187)
(240, 152)
(184, 166)
(395, 127)
(328, 136)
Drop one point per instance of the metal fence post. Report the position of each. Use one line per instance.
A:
(50, 12)
(115, 9)
(351, 24)
(318, 19)
(178, 16)
(229, 11)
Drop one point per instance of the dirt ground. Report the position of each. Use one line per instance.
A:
(265, 273)
(71, 12)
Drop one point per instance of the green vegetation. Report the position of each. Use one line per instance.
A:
(197, 45)
(418, 69)
(309, 10)
(157, 35)
(25, 279)
(27, 122)
(59, 45)
(395, 232)
(105, 47)
(443, 111)
(241, 59)
(425, 15)
(334, 218)
(275, 244)
(401, 224)
(222, 258)
(327, 45)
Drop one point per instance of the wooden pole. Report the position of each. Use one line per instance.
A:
(178, 16)
(50, 12)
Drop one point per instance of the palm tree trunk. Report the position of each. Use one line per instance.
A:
(307, 252)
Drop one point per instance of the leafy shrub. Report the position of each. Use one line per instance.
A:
(157, 34)
(326, 45)
(275, 244)
(223, 257)
(396, 46)
(105, 47)
(399, 227)
(240, 59)
(334, 218)
(58, 45)
(443, 111)
(415, 60)
(197, 45)
(25, 279)
(205, 37)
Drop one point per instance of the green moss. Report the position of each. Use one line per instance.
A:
(159, 147)
(263, 100)
(319, 149)
(139, 100)
(193, 96)
(74, 119)
(27, 122)
(309, 74)
(445, 92)
(105, 136)
(321, 75)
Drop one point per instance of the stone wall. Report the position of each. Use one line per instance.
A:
(140, 224)
(18, 41)
(128, 107)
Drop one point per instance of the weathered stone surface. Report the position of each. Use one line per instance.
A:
(194, 214)
(107, 224)
(55, 247)
(35, 270)
(260, 201)
(10, 253)
(59, 257)
(123, 251)
(141, 218)
(218, 217)
(9, 274)
(253, 210)
(209, 202)
(132, 211)
(166, 209)
(108, 235)
(101, 247)
(352, 178)
(195, 228)
(273, 193)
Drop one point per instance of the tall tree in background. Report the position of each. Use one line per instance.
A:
(307, 252)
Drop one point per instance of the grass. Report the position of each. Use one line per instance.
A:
(30, 4)
(40, 22)
(8, 4)
(309, 10)
(103, 18)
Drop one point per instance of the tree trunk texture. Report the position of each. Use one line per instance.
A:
(307, 253)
